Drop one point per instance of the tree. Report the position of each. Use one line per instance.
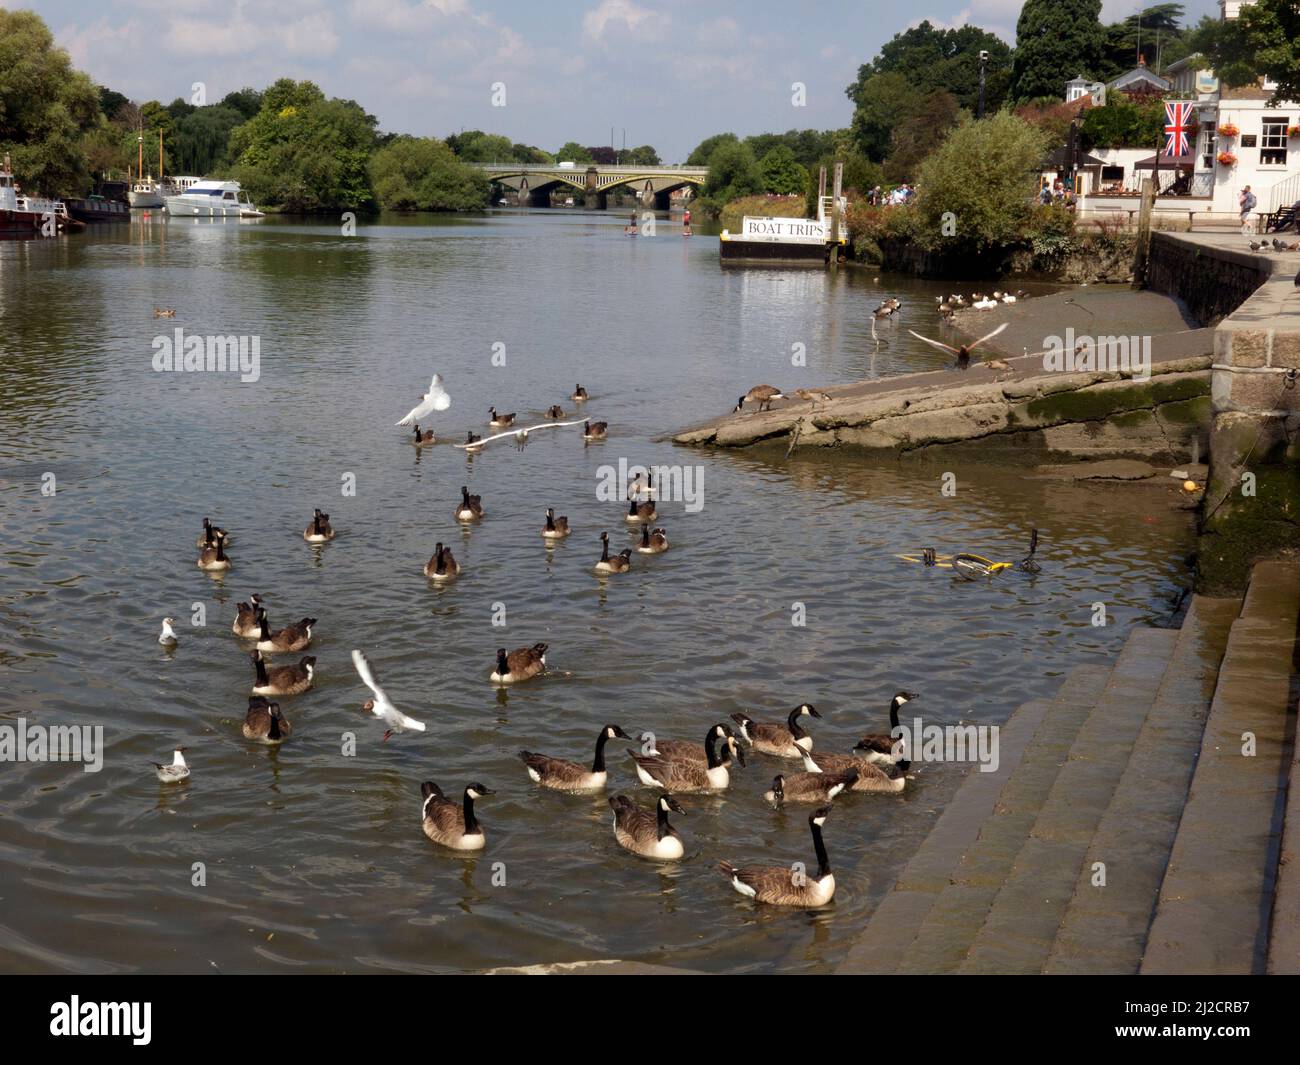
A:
(920, 133)
(1259, 43)
(860, 176)
(781, 172)
(201, 141)
(573, 153)
(808, 145)
(602, 154)
(944, 60)
(645, 155)
(982, 181)
(733, 173)
(526, 153)
(475, 146)
(1124, 124)
(884, 101)
(246, 101)
(703, 150)
(1155, 32)
(1055, 40)
(424, 174)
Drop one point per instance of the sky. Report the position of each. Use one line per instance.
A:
(662, 72)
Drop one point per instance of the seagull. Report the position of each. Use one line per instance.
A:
(380, 705)
(520, 436)
(962, 352)
(434, 399)
(177, 771)
(168, 636)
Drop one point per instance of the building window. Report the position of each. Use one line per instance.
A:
(1209, 139)
(1272, 144)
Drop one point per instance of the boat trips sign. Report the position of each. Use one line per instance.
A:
(785, 230)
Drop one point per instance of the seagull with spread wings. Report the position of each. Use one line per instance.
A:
(381, 706)
(962, 352)
(434, 399)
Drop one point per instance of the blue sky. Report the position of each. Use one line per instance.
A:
(670, 72)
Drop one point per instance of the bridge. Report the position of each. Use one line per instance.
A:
(534, 182)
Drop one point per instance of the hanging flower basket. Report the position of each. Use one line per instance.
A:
(1228, 130)
(1293, 131)
(1226, 159)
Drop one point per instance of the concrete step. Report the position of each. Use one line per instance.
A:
(978, 868)
(895, 922)
(1215, 900)
(1104, 930)
(1022, 923)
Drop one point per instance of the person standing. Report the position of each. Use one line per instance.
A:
(1246, 201)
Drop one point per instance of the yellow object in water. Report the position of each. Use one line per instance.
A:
(1189, 486)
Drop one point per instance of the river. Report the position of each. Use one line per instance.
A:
(312, 859)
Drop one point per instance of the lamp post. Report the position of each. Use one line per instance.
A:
(984, 62)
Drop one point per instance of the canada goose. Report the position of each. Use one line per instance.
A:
(879, 749)
(442, 566)
(206, 539)
(435, 399)
(555, 411)
(645, 833)
(213, 559)
(883, 311)
(452, 824)
(620, 563)
(167, 312)
(689, 750)
(788, 885)
(809, 787)
(168, 635)
(779, 740)
(760, 394)
(555, 528)
(177, 771)
(291, 638)
(423, 438)
(519, 665)
(870, 777)
(686, 775)
(319, 530)
(473, 441)
(963, 351)
(1029, 564)
(264, 722)
(579, 394)
(283, 680)
(381, 706)
(500, 421)
(246, 623)
(637, 513)
(563, 775)
(655, 543)
(595, 430)
(471, 507)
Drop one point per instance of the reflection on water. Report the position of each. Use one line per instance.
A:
(314, 859)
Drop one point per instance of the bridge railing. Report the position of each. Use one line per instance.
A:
(622, 169)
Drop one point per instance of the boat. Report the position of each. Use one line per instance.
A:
(30, 216)
(785, 241)
(212, 199)
(145, 192)
(97, 209)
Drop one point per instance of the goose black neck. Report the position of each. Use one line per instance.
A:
(221, 549)
(316, 522)
(661, 821)
(265, 628)
(550, 521)
(893, 715)
(796, 729)
(274, 731)
(711, 751)
(262, 679)
(471, 825)
(823, 861)
(503, 667)
(645, 535)
(598, 765)
(631, 506)
(604, 553)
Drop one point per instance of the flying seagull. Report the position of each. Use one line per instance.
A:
(434, 399)
(520, 436)
(962, 352)
(380, 705)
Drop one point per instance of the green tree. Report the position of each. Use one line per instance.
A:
(1155, 32)
(781, 172)
(526, 153)
(703, 150)
(573, 153)
(424, 174)
(882, 103)
(200, 145)
(919, 133)
(944, 60)
(645, 155)
(1261, 42)
(860, 176)
(246, 101)
(808, 145)
(985, 174)
(1055, 41)
(475, 146)
(733, 173)
(1124, 123)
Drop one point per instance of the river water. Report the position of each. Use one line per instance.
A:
(313, 859)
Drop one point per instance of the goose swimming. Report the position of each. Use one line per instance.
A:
(453, 824)
(655, 543)
(788, 885)
(319, 530)
(264, 722)
(471, 507)
(293, 637)
(555, 528)
(683, 775)
(782, 741)
(519, 665)
(620, 563)
(878, 749)
(283, 680)
(563, 775)
(246, 623)
(809, 787)
(645, 833)
(442, 567)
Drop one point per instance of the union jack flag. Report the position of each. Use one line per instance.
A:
(1179, 119)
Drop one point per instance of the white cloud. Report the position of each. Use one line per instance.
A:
(610, 13)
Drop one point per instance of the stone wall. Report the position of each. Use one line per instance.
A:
(1211, 281)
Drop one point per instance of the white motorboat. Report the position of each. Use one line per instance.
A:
(146, 193)
(212, 199)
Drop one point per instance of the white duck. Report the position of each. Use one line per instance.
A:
(381, 706)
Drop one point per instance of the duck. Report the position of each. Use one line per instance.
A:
(644, 833)
(655, 543)
(788, 885)
(782, 741)
(177, 771)
(595, 430)
(319, 530)
(555, 528)
(380, 705)
(164, 312)
(639, 513)
(453, 824)
(424, 438)
(500, 421)
(283, 680)
(264, 722)
(563, 775)
(555, 411)
(620, 563)
(760, 394)
(471, 507)
(213, 559)
(579, 394)
(207, 539)
(809, 787)
(473, 441)
(870, 777)
(293, 637)
(168, 636)
(878, 749)
(671, 774)
(521, 664)
(442, 566)
(246, 623)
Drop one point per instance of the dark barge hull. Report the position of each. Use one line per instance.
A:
(772, 253)
(24, 225)
(98, 211)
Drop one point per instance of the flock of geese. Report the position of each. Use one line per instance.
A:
(673, 767)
